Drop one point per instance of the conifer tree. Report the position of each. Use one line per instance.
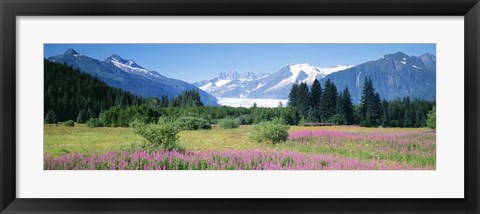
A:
(292, 97)
(82, 116)
(347, 107)
(385, 119)
(371, 106)
(377, 110)
(328, 101)
(51, 117)
(303, 100)
(315, 99)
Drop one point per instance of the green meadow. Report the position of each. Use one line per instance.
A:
(413, 147)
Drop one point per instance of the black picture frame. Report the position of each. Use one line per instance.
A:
(10, 9)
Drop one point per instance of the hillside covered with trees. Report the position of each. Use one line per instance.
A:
(73, 95)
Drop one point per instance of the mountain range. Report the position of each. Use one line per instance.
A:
(129, 76)
(271, 86)
(394, 76)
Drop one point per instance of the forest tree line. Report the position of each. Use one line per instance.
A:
(73, 95)
(315, 104)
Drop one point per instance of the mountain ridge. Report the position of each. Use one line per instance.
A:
(128, 75)
(394, 75)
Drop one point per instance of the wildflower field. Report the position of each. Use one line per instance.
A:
(307, 148)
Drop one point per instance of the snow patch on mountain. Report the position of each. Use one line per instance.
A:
(272, 86)
(130, 66)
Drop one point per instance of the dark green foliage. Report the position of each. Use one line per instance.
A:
(432, 118)
(245, 119)
(292, 96)
(69, 123)
(121, 117)
(187, 99)
(82, 116)
(371, 107)
(347, 107)
(339, 108)
(274, 131)
(288, 114)
(162, 135)
(229, 123)
(192, 123)
(93, 123)
(67, 92)
(303, 99)
(51, 117)
(329, 101)
(315, 100)
(405, 113)
(385, 118)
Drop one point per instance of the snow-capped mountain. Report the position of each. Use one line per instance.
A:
(129, 76)
(394, 76)
(130, 66)
(273, 86)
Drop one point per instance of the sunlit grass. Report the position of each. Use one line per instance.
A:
(60, 139)
(419, 150)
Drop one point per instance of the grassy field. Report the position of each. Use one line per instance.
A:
(393, 147)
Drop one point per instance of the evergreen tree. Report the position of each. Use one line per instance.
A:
(292, 97)
(377, 110)
(385, 119)
(339, 117)
(315, 97)
(67, 92)
(371, 107)
(82, 116)
(347, 107)
(303, 100)
(51, 117)
(328, 101)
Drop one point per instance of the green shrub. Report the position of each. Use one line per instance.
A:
(302, 121)
(229, 123)
(192, 123)
(93, 122)
(432, 118)
(245, 119)
(163, 135)
(274, 131)
(337, 119)
(69, 123)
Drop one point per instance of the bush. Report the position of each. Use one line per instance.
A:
(432, 118)
(192, 123)
(229, 123)
(69, 123)
(245, 119)
(302, 121)
(93, 122)
(163, 135)
(337, 119)
(270, 131)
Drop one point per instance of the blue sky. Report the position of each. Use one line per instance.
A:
(195, 62)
